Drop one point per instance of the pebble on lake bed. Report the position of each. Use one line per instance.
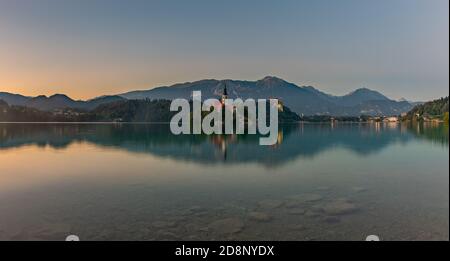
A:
(339, 207)
(259, 216)
(227, 226)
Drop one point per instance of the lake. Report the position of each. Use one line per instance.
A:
(140, 182)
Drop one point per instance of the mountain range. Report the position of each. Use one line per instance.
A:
(305, 100)
(57, 101)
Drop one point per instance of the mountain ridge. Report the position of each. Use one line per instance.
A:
(56, 101)
(304, 100)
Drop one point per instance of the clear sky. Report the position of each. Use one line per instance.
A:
(86, 48)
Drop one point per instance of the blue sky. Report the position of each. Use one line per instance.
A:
(86, 48)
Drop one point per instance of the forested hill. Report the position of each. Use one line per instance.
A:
(433, 109)
(155, 111)
(119, 111)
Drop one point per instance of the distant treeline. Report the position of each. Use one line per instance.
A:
(134, 111)
(433, 109)
(159, 111)
(119, 111)
(328, 118)
(25, 114)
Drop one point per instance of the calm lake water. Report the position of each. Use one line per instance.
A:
(139, 182)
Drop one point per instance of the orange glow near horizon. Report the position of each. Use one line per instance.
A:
(76, 86)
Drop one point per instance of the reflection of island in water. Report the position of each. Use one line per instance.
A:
(296, 140)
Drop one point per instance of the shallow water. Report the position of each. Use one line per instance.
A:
(139, 182)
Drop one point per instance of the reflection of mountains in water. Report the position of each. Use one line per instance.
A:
(299, 140)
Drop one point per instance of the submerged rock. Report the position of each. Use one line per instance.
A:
(331, 220)
(339, 207)
(299, 227)
(203, 229)
(227, 226)
(306, 198)
(292, 204)
(270, 203)
(259, 216)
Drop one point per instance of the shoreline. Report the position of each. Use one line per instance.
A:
(164, 123)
